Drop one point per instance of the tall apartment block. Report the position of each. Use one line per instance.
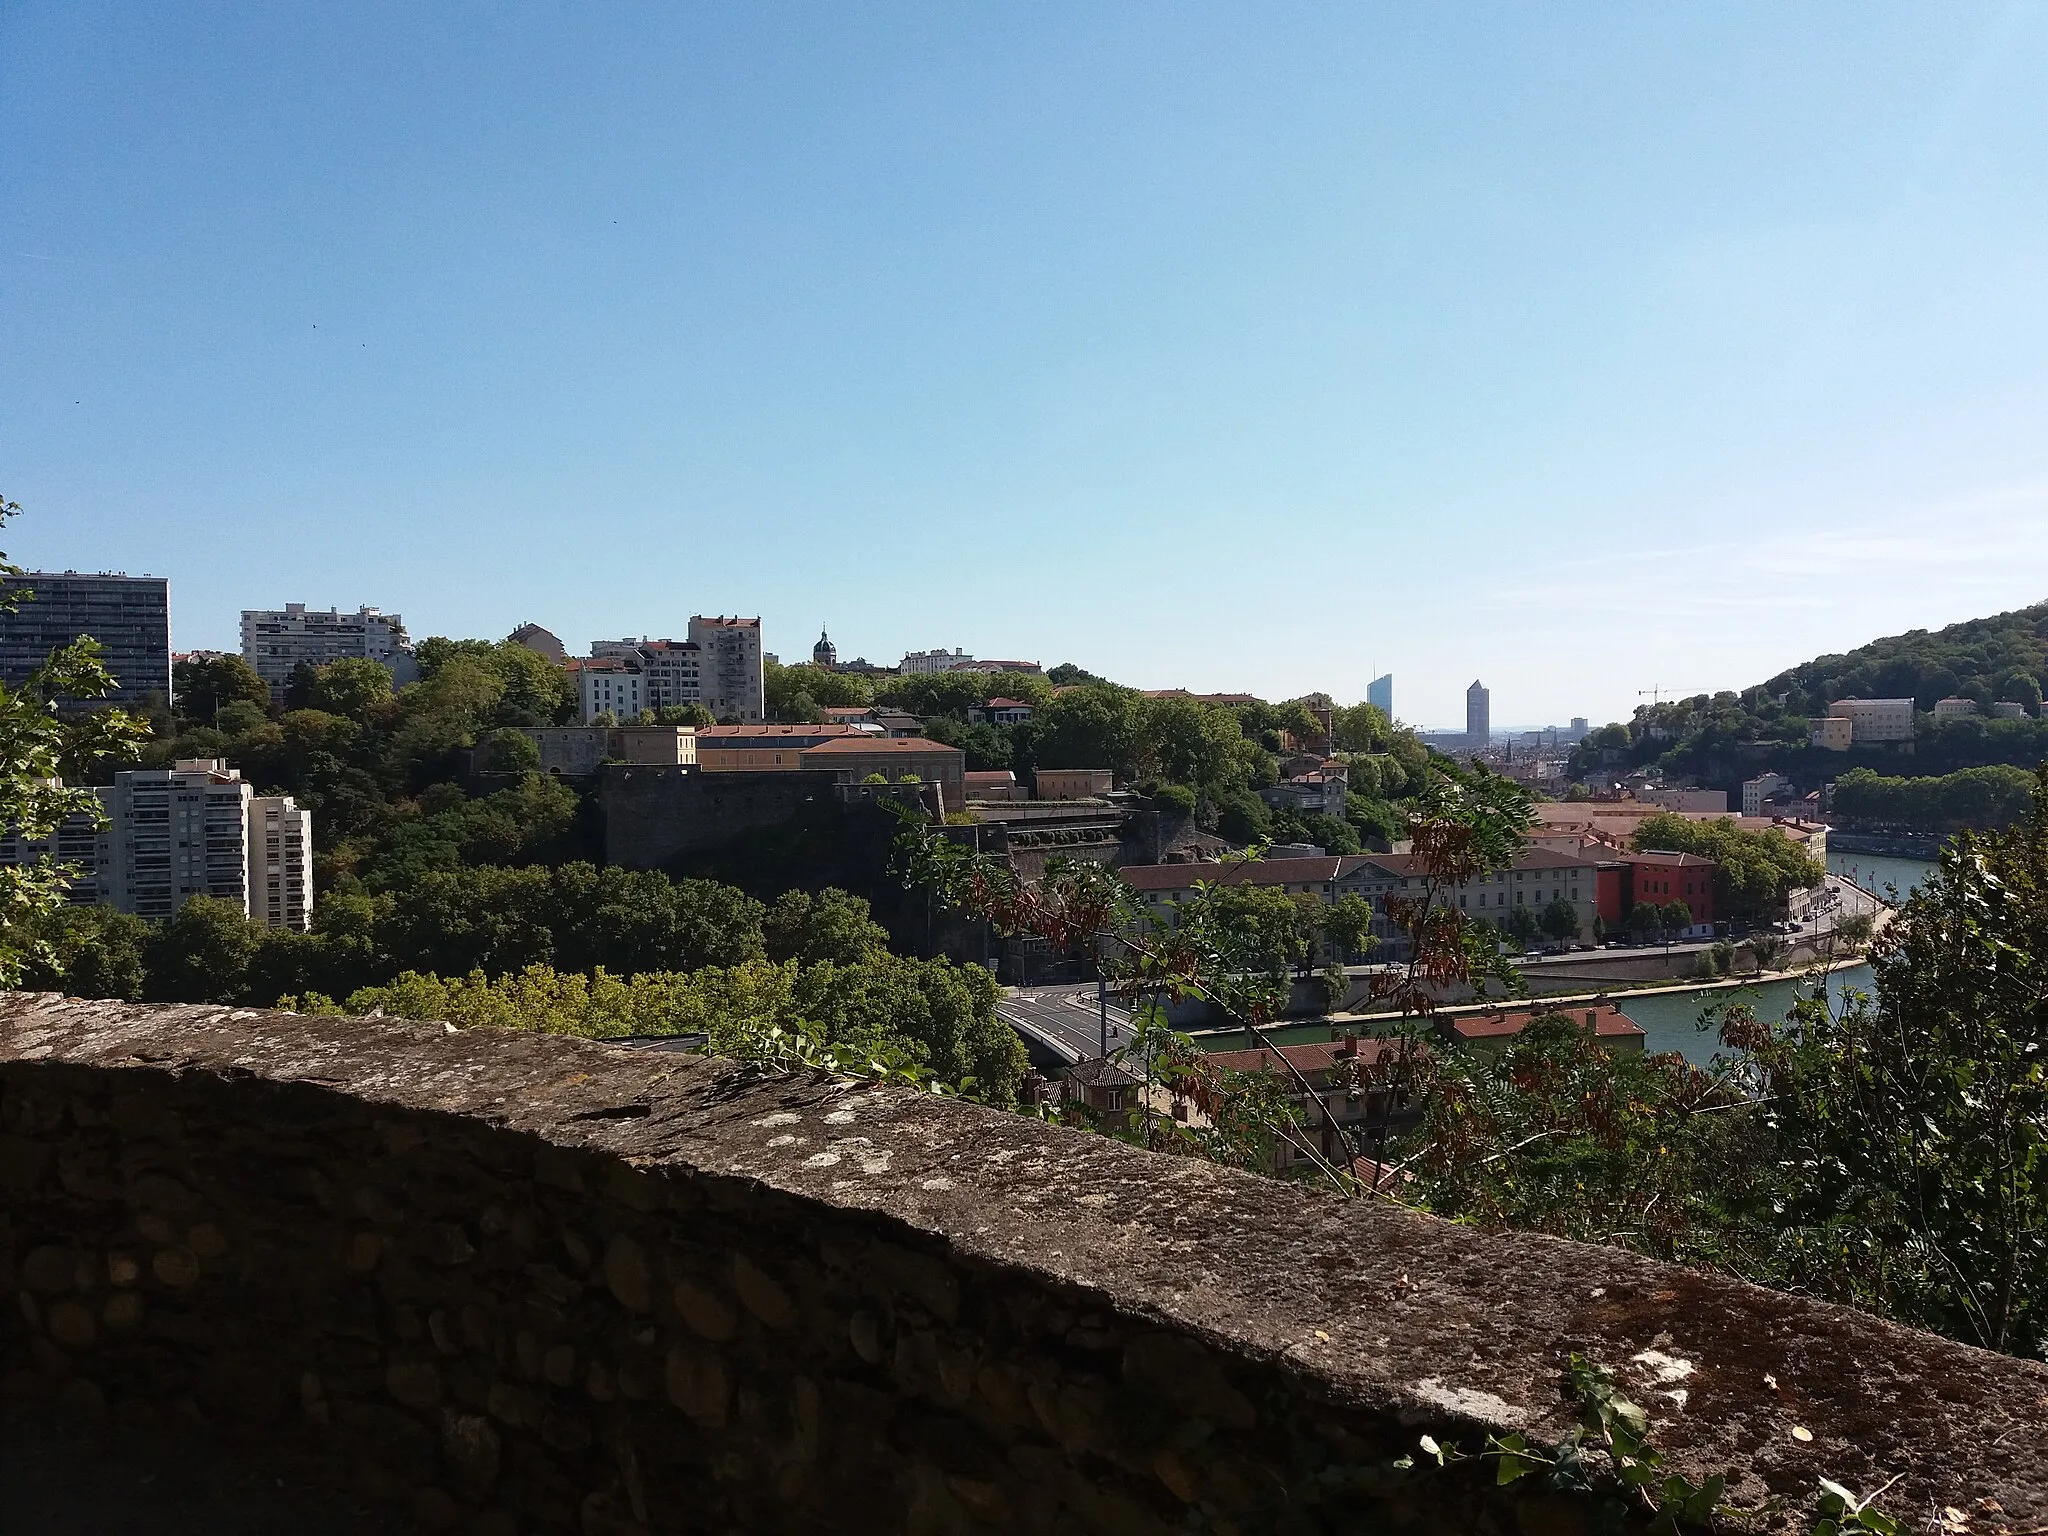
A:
(1478, 715)
(735, 688)
(1379, 693)
(129, 615)
(276, 640)
(198, 829)
(719, 666)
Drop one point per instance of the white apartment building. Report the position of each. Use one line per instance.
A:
(611, 685)
(197, 829)
(1954, 708)
(1875, 719)
(1759, 789)
(934, 661)
(276, 640)
(280, 862)
(719, 667)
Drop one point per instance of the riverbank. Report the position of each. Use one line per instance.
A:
(1668, 1014)
(1921, 847)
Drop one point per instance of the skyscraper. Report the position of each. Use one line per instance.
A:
(130, 616)
(1379, 693)
(1478, 715)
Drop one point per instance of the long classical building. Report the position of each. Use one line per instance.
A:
(1598, 887)
(130, 616)
(197, 829)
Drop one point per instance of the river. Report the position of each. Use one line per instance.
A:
(1875, 872)
(1670, 1020)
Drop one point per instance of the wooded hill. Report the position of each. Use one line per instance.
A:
(1719, 740)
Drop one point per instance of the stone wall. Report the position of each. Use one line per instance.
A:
(518, 1283)
(655, 815)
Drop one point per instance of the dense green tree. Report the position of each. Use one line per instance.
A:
(1913, 1123)
(782, 687)
(87, 951)
(1559, 920)
(1980, 798)
(1757, 870)
(201, 685)
(830, 925)
(42, 742)
(1067, 675)
(507, 751)
(1347, 925)
(201, 954)
(2021, 688)
(1522, 925)
(353, 687)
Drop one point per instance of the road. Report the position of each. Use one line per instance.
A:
(1066, 1019)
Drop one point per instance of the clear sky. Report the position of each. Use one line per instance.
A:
(1583, 349)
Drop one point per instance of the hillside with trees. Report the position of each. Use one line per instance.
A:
(1719, 740)
(1207, 759)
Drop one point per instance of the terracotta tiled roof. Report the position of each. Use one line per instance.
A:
(862, 743)
(1315, 1056)
(1609, 1022)
(726, 735)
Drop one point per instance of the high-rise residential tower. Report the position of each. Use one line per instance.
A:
(196, 829)
(130, 616)
(1478, 715)
(276, 640)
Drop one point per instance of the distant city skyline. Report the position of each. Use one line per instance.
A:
(1653, 348)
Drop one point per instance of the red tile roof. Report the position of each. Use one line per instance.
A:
(1609, 1022)
(728, 735)
(1315, 1056)
(862, 742)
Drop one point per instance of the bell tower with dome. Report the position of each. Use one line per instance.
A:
(824, 654)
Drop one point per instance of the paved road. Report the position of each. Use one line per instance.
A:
(1067, 1017)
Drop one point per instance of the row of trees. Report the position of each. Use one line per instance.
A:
(1979, 798)
(498, 921)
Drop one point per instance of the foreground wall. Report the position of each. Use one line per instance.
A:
(517, 1283)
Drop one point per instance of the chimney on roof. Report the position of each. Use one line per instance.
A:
(1350, 1045)
(1592, 1018)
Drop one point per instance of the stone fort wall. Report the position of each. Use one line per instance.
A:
(514, 1283)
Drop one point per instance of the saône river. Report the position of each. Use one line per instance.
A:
(1670, 1020)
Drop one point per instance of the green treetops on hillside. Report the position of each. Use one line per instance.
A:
(1726, 737)
(1758, 870)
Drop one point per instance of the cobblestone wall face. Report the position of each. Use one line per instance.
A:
(515, 1284)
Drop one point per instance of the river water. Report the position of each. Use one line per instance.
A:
(1670, 1020)
(1874, 872)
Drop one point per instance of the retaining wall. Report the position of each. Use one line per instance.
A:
(520, 1283)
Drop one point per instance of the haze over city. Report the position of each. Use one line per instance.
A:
(1582, 350)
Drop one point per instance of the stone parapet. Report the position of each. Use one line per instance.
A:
(523, 1283)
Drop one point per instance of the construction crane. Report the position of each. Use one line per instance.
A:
(1657, 695)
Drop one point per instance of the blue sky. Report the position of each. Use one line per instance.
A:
(1583, 349)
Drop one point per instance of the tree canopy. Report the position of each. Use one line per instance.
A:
(1758, 870)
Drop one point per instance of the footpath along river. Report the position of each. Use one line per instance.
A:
(1670, 1020)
